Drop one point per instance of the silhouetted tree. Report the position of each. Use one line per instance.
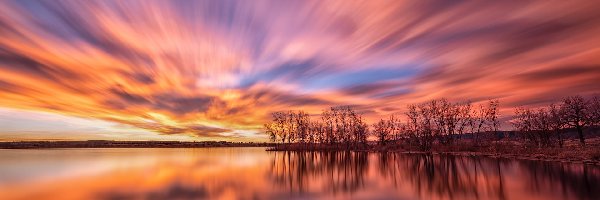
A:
(452, 120)
(464, 117)
(492, 115)
(595, 110)
(542, 126)
(557, 122)
(395, 126)
(302, 122)
(480, 120)
(427, 130)
(360, 129)
(523, 122)
(381, 130)
(412, 124)
(576, 115)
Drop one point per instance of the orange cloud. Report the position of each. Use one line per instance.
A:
(215, 70)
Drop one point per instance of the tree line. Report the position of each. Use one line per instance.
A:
(433, 120)
(547, 125)
(437, 120)
(336, 125)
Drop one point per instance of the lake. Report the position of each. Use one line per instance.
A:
(253, 173)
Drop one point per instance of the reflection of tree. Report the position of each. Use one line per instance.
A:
(580, 181)
(445, 176)
(431, 176)
(338, 171)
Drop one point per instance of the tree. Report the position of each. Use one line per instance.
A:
(361, 130)
(523, 122)
(381, 130)
(556, 122)
(395, 127)
(269, 129)
(302, 122)
(276, 129)
(328, 119)
(576, 115)
(412, 125)
(435, 110)
(465, 118)
(291, 126)
(319, 131)
(452, 120)
(595, 110)
(480, 120)
(492, 115)
(542, 126)
(427, 130)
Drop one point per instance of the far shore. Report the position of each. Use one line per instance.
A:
(572, 152)
(125, 144)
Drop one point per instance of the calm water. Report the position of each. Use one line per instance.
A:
(252, 173)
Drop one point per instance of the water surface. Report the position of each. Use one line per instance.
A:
(252, 173)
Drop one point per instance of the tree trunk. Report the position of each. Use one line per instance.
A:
(560, 141)
(580, 133)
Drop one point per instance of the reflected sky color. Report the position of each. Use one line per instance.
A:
(214, 70)
(252, 173)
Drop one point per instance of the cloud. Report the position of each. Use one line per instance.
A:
(217, 69)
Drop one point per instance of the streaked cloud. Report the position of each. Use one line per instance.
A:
(216, 69)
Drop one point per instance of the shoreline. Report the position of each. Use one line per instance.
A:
(571, 153)
(543, 158)
(125, 144)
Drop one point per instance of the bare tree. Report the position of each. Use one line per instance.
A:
(395, 127)
(270, 130)
(576, 115)
(492, 116)
(277, 126)
(542, 126)
(302, 121)
(523, 122)
(427, 130)
(329, 121)
(480, 120)
(436, 112)
(412, 125)
(595, 110)
(361, 130)
(319, 130)
(381, 130)
(465, 118)
(316, 132)
(452, 118)
(557, 122)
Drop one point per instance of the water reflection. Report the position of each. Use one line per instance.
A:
(333, 172)
(252, 173)
(579, 181)
(446, 176)
(432, 176)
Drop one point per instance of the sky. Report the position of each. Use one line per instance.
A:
(215, 70)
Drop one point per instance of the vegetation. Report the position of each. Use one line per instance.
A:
(338, 125)
(436, 122)
(545, 126)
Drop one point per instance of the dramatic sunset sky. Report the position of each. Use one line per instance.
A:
(215, 70)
